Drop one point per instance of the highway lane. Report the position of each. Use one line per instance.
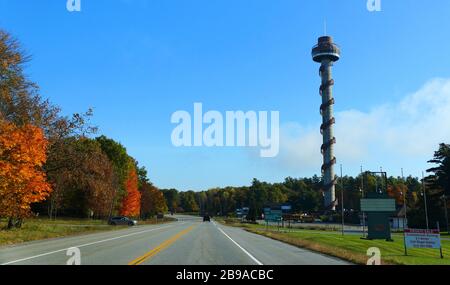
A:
(188, 241)
(116, 247)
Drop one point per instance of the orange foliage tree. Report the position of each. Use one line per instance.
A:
(131, 204)
(397, 192)
(22, 180)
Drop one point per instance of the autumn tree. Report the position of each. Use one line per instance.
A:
(397, 192)
(22, 180)
(131, 204)
(152, 201)
(21, 103)
(84, 184)
(121, 162)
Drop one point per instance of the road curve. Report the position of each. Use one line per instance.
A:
(188, 241)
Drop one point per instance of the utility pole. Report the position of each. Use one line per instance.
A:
(425, 199)
(362, 196)
(342, 201)
(376, 185)
(381, 189)
(404, 219)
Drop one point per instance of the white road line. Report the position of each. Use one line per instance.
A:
(84, 245)
(243, 249)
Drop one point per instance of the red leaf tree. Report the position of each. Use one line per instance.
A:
(131, 204)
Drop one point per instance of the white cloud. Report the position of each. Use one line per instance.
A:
(402, 132)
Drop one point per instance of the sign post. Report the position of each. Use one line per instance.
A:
(285, 210)
(420, 238)
(404, 241)
(440, 244)
(266, 217)
(378, 208)
(272, 216)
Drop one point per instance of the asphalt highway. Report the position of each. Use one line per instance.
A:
(189, 241)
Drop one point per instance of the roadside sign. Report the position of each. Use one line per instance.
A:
(277, 212)
(418, 238)
(273, 216)
(378, 205)
(286, 208)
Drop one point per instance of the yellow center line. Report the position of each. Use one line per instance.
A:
(160, 247)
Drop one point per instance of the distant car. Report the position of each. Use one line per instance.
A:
(206, 218)
(122, 221)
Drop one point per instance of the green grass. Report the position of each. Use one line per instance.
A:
(38, 229)
(352, 247)
(64, 221)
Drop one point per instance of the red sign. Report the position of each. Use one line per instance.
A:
(420, 231)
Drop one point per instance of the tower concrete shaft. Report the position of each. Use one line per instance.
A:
(326, 52)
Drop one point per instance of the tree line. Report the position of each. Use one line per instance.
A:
(305, 195)
(55, 165)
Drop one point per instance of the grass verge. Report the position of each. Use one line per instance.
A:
(39, 229)
(351, 247)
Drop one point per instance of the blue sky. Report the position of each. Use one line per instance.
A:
(137, 62)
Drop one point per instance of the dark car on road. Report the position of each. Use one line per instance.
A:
(206, 218)
(122, 221)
